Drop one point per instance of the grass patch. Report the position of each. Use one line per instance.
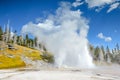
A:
(11, 58)
(10, 62)
(33, 55)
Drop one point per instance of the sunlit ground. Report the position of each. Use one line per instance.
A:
(97, 73)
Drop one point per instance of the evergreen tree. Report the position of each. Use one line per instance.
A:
(32, 42)
(26, 40)
(1, 33)
(101, 55)
(103, 51)
(91, 49)
(18, 40)
(40, 46)
(35, 41)
(113, 55)
(9, 35)
(107, 50)
(26, 37)
(15, 37)
(108, 55)
(96, 53)
(117, 47)
(44, 48)
(113, 51)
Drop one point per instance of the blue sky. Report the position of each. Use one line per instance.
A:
(104, 21)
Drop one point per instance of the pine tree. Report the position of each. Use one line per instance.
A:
(96, 53)
(44, 48)
(1, 33)
(103, 51)
(35, 41)
(113, 51)
(15, 38)
(117, 47)
(107, 50)
(26, 40)
(101, 55)
(9, 34)
(108, 55)
(91, 49)
(32, 43)
(18, 40)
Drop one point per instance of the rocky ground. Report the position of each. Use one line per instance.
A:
(97, 73)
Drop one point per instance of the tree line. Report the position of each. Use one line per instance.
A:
(101, 54)
(12, 38)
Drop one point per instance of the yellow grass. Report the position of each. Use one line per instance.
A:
(8, 62)
(12, 58)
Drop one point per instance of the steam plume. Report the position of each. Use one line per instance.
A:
(64, 34)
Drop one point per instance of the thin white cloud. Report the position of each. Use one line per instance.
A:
(100, 4)
(77, 3)
(113, 6)
(99, 9)
(100, 35)
(106, 39)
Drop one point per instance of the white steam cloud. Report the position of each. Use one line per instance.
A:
(64, 34)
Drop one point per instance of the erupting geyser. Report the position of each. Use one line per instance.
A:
(64, 34)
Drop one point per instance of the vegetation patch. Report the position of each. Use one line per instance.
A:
(10, 62)
(11, 58)
(48, 57)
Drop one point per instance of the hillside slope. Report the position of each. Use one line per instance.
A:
(11, 58)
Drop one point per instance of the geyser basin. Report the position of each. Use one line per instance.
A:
(64, 34)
